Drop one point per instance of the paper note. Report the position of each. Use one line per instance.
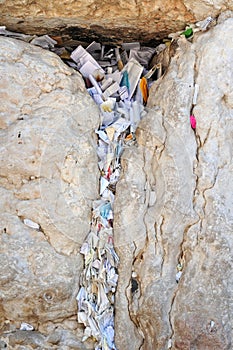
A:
(134, 70)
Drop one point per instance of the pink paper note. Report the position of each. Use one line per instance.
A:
(193, 121)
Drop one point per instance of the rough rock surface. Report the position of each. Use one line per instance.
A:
(174, 206)
(173, 202)
(47, 150)
(103, 20)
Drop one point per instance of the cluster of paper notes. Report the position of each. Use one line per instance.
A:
(114, 72)
(121, 92)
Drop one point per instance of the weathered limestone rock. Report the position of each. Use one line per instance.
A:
(173, 202)
(174, 206)
(105, 21)
(49, 175)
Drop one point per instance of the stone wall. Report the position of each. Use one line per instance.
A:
(119, 20)
(173, 202)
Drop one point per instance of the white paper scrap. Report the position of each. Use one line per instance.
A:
(26, 327)
(134, 70)
(196, 90)
(31, 224)
(95, 84)
(103, 184)
(81, 56)
(112, 89)
(44, 41)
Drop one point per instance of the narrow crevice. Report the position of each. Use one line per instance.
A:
(170, 313)
(206, 137)
(31, 225)
(142, 344)
(161, 244)
(129, 286)
(131, 290)
(204, 197)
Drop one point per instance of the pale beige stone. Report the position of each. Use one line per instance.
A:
(190, 174)
(49, 174)
(117, 20)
